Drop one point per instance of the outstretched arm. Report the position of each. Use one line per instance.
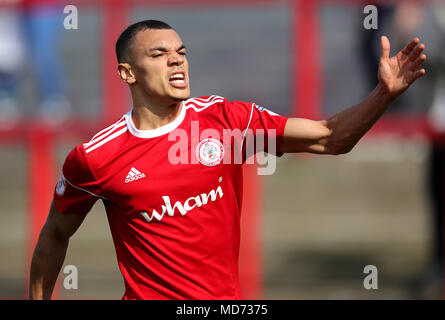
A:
(340, 133)
(50, 252)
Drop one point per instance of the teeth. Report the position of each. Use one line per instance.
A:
(177, 76)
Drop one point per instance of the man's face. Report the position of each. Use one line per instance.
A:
(158, 60)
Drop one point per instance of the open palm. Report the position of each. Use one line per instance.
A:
(397, 73)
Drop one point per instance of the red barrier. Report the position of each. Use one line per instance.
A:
(306, 60)
(251, 263)
(115, 20)
(41, 184)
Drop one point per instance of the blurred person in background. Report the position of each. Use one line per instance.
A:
(370, 49)
(434, 280)
(427, 18)
(11, 61)
(401, 19)
(43, 23)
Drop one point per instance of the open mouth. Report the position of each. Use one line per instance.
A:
(177, 80)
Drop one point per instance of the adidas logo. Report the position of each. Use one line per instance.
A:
(134, 175)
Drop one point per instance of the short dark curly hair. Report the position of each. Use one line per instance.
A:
(123, 44)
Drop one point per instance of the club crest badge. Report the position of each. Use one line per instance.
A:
(210, 152)
(61, 186)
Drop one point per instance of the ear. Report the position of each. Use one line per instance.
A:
(126, 73)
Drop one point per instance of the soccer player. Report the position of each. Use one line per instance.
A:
(169, 178)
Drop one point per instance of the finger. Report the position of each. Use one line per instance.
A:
(416, 52)
(418, 62)
(417, 74)
(386, 46)
(410, 46)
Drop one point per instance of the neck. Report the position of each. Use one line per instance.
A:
(149, 113)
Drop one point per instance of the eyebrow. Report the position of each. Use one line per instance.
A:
(163, 49)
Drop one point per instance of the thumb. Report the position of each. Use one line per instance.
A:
(385, 47)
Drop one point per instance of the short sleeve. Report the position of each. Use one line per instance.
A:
(263, 129)
(77, 189)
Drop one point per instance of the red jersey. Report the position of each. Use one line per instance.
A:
(172, 196)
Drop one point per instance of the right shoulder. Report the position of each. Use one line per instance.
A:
(106, 136)
(76, 167)
(82, 157)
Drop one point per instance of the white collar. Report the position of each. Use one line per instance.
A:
(153, 133)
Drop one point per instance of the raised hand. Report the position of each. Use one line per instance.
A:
(397, 73)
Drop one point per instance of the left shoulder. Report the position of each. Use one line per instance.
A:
(201, 103)
(222, 104)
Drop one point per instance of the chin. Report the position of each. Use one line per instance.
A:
(179, 98)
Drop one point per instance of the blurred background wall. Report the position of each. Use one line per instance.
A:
(321, 219)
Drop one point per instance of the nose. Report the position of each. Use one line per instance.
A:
(176, 59)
